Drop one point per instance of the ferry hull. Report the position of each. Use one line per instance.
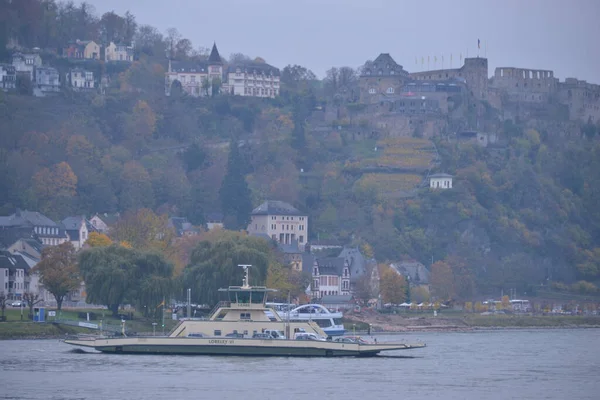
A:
(237, 347)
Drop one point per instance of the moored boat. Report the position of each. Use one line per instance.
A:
(329, 322)
(241, 326)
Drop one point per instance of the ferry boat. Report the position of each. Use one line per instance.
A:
(330, 322)
(240, 327)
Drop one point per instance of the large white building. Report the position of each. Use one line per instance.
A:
(195, 78)
(255, 79)
(280, 221)
(203, 78)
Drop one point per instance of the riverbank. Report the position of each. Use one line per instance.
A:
(359, 323)
(34, 330)
(389, 323)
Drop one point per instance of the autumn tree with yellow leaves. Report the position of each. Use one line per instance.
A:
(392, 285)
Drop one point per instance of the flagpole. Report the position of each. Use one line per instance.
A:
(163, 316)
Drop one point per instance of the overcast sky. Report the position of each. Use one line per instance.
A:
(560, 35)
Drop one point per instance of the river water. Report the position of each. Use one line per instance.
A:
(507, 364)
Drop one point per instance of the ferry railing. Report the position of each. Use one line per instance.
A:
(219, 305)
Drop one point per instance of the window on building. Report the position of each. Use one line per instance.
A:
(390, 90)
(301, 240)
(372, 91)
(217, 332)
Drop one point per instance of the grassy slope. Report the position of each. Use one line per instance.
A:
(15, 328)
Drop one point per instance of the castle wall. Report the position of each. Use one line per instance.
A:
(525, 85)
(373, 88)
(582, 99)
(474, 73)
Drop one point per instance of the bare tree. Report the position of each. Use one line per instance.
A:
(3, 304)
(171, 39)
(235, 58)
(31, 299)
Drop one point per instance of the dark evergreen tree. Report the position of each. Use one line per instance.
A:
(234, 193)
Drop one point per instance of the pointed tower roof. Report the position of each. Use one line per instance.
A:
(214, 57)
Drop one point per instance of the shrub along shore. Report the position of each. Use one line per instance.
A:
(16, 329)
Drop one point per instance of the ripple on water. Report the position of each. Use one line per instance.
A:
(549, 364)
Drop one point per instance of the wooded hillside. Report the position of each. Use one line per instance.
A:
(522, 212)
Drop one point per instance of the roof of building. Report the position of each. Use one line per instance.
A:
(308, 261)
(331, 266)
(12, 261)
(28, 258)
(214, 57)
(292, 248)
(73, 225)
(384, 65)
(189, 67)
(181, 225)
(414, 270)
(440, 175)
(276, 207)
(253, 67)
(9, 235)
(356, 262)
(73, 222)
(214, 217)
(27, 218)
(107, 218)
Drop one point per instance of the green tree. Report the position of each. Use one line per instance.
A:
(116, 274)
(58, 271)
(214, 264)
(234, 193)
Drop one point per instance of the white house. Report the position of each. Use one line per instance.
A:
(80, 79)
(280, 221)
(102, 222)
(12, 274)
(8, 77)
(118, 52)
(76, 228)
(330, 277)
(440, 181)
(26, 63)
(214, 221)
(255, 79)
